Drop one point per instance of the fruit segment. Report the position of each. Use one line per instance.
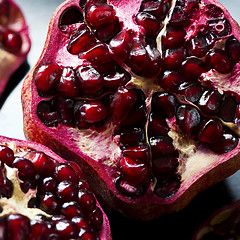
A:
(136, 92)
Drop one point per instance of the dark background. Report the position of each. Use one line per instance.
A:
(180, 225)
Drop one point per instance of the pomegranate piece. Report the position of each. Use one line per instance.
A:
(157, 91)
(14, 40)
(54, 207)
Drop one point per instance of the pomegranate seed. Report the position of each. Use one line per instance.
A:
(88, 3)
(210, 102)
(6, 155)
(210, 131)
(71, 16)
(39, 230)
(45, 75)
(132, 136)
(150, 23)
(190, 5)
(168, 187)
(64, 172)
(48, 185)
(6, 186)
(213, 11)
(179, 18)
(93, 112)
(28, 184)
(193, 68)
(165, 104)
(228, 109)
(96, 218)
(158, 9)
(173, 38)
(78, 170)
(100, 14)
(66, 190)
(211, 39)
(161, 146)
(24, 166)
(173, 58)
(232, 47)
(121, 44)
(90, 80)
(133, 170)
(49, 203)
(226, 144)
(188, 119)
(81, 41)
(87, 201)
(157, 126)
(191, 91)
(81, 223)
(71, 209)
(88, 235)
(197, 46)
(170, 81)
(220, 60)
(12, 41)
(219, 27)
(66, 229)
(83, 185)
(107, 31)
(164, 166)
(18, 226)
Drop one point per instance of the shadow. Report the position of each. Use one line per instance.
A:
(180, 225)
(14, 80)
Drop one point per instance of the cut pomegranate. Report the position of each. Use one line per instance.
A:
(14, 40)
(138, 92)
(54, 207)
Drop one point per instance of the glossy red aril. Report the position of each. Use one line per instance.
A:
(157, 91)
(54, 207)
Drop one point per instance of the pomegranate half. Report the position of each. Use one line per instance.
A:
(144, 95)
(14, 40)
(43, 196)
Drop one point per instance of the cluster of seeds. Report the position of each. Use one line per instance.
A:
(61, 191)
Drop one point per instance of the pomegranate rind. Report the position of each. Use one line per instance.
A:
(10, 62)
(105, 232)
(227, 214)
(66, 143)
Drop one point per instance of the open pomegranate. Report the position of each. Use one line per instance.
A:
(144, 95)
(14, 40)
(43, 196)
(223, 224)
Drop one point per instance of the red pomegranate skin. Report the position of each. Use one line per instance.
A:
(25, 146)
(67, 142)
(15, 53)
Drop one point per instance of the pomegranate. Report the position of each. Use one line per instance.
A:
(43, 196)
(14, 40)
(222, 224)
(143, 95)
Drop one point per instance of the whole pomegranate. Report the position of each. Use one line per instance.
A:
(144, 95)
(14, 40)
(43, 196)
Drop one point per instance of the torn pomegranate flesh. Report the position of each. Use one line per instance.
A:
(59, 203)
(145, 82)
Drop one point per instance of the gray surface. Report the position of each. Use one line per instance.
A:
(177, 226)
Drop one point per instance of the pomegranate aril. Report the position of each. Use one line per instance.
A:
(171, 80)
(81, 222)
(190, 5)
(150, 23)
(6, 186)
(213, 11)
(226, 144)
(81, 41)
(132, 170)
(220, 61)
(219, 27)
(100, 14)
(87, 201)
(28, 184)
(24, 166)
(39, 230)
(77, 169)
(173, 38)
(86, 4)
(66, 190)
(197, 46)
(96, 218)
(165, 104)
(168, 187)
(66, 229)
(12, 41)
(232, 47)
(71, 209)
(173, 58)
(121, 44)
(90, 80)
(48, 184)
(48, 202)
(179, 18)
(188, 119)
(6, 155)
(228, 109)
(132, 136)
(161, 146)
(210, 102)
(157, 125)
(45, 75)
(210, 131)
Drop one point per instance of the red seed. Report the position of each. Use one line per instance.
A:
(228, 109)
(66, 191)
(71, 209)
(24, 166)
(96, 218)
(49, 203)
(12, 41)
(173, 38)
(219, 27)
(157, 125)
(6, 155)
(232, 47)
(87, 201)
(173, 58)
(66, 229)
